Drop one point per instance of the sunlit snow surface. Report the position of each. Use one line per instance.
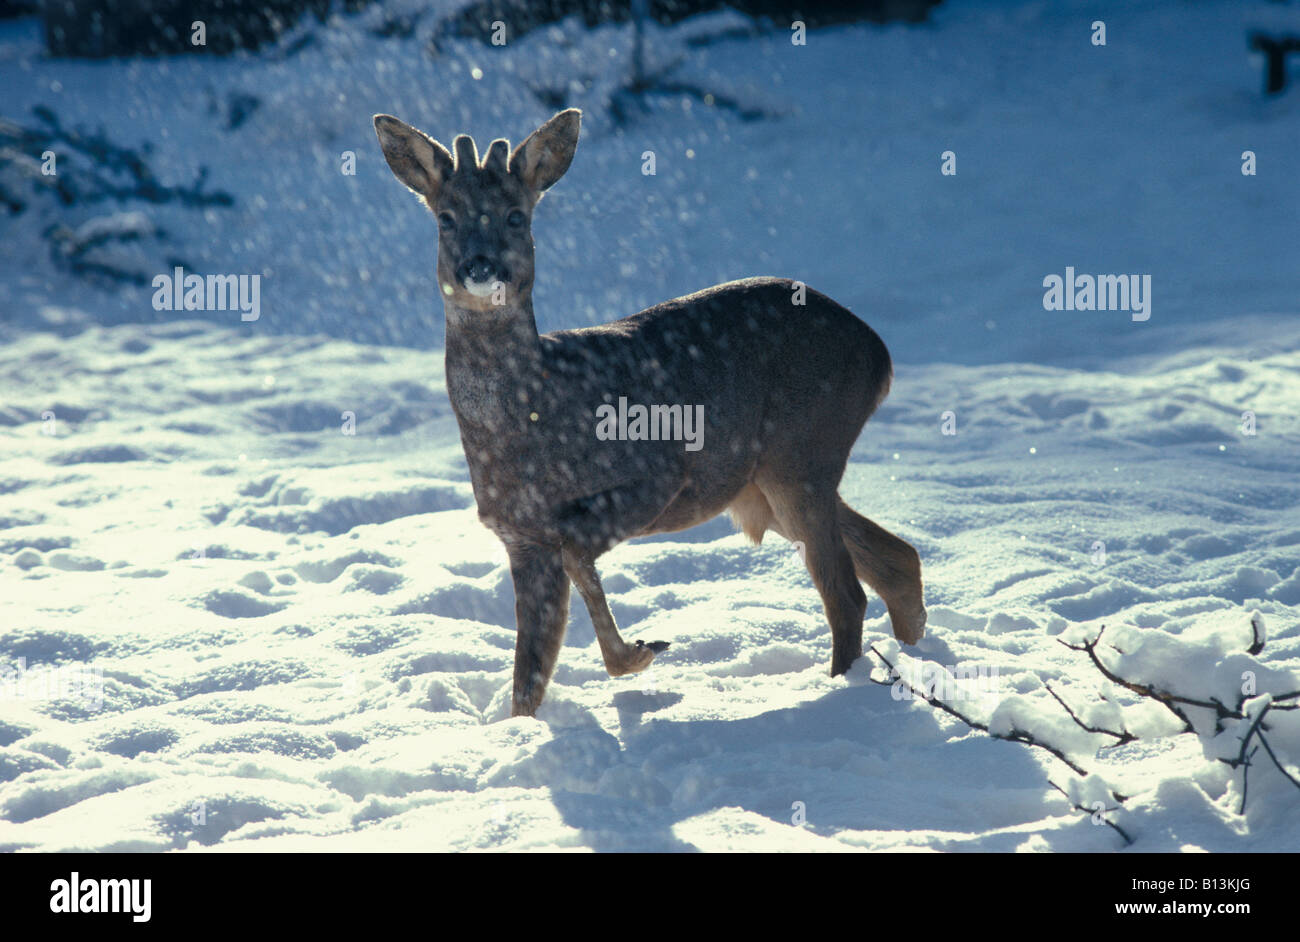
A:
(306, 637)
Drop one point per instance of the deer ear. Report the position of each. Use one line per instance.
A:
(416, 159)
(546, 154)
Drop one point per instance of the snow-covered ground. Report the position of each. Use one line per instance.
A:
(309, 634)
(294, 634)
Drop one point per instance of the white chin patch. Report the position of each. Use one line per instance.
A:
(480, 289)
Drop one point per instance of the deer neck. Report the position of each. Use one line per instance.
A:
(494, 366)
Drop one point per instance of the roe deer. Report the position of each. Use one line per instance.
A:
(785, 389)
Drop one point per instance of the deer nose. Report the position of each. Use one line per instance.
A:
(480, 268)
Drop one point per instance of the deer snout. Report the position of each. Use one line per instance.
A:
(480, 269)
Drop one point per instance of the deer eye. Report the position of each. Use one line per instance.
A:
(447, 220)
(516, 218)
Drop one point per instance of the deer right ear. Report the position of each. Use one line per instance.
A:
(416, 159)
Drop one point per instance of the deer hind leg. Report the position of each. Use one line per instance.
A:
(541, 615)
(620, 657)
(891, 567)
(810, 515)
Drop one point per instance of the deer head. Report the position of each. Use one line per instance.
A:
(484, 208)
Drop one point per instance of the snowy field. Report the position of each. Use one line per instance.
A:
(282, 629)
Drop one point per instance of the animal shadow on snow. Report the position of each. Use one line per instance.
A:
(856, 758)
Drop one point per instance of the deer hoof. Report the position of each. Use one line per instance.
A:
(909, 629)
(636, 659)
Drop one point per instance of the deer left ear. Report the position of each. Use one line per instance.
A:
(544, 157)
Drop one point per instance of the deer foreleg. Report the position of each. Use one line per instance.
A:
(620, 657)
